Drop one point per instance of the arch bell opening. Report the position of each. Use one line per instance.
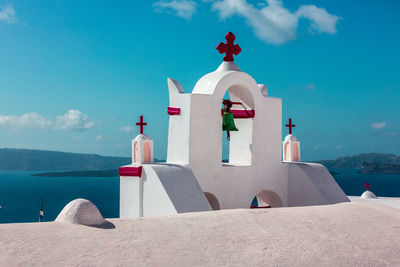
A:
(240, 144)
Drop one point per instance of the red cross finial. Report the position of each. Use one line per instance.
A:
(229, 48)
(290, 126)
(141, 124)
(367, 186)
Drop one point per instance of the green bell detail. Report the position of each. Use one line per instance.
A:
(228, 123)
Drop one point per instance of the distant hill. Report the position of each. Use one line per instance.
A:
(357, 162)
(379, 168)
(42, 160)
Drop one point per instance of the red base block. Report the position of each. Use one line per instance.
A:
(173, 111)
(130, 171)
(264, 207)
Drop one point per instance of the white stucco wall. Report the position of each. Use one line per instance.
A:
(311, 184)
(144, 196)
(129, 197)
(161, 190)
(179, 125)
(233, 184)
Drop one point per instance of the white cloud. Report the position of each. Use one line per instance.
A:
(28, 120)
(321, 20)
(74, 120)
(7, 14)
(393, 133)
(98, 137)
(317, 147)
(308, 87)
(126, 129)
(378, 125)
(181, 8)
(274, 23)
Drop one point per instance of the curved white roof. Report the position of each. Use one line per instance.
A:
(142, 137)
(368, 194)
(227, 75)
(290, 137)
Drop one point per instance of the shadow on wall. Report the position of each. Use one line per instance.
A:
(266, 199)
(212, 199)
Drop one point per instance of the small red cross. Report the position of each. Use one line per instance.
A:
(229, 48)
(141, 124)
(367, 186)
(290, 126)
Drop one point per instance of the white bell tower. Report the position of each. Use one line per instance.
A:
(291, 147)
(142, 146)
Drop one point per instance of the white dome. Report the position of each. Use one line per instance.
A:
(81, 211)
(228, 66)
(368, 194)
(290, 137)
(142, 137)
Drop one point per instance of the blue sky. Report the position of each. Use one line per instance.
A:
(76, 75)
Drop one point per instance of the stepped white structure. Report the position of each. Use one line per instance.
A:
(194, 177)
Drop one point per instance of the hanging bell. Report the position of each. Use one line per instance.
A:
(227, 122)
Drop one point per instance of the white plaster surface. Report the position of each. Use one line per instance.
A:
(311, 184)
(347, 234)
(81, 211)
(393, 202)
(179, 125)
(163, 189)
(130, 197)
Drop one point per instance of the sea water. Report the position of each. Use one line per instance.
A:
(21, 193)
(352, 183)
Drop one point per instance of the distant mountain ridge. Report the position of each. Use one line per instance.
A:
(357, 161)
(380, 168)
(42, 160)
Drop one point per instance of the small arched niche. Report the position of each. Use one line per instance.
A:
(266, 199)
(295, 152)
(136, 152)
(146, 152)
(212, 199)
(240, 144)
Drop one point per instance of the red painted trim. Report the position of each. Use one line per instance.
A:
(241, 114)
(174, 111)
(130, 171)
(264, 207)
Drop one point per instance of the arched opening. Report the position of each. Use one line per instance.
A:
(266, 199)
(295, 152)
(287, 151)
(238, 150)
(212, 199)
(136, 152)
(146, 152)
